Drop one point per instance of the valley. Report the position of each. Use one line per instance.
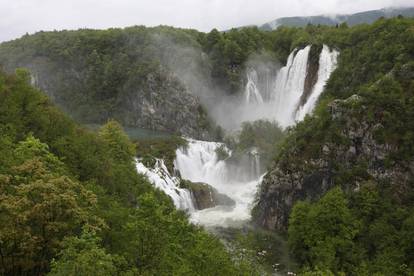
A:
(169, 151)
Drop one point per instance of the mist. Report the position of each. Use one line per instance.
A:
(192, 67)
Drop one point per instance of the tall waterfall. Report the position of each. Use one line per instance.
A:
(327, 64)
(284, 104)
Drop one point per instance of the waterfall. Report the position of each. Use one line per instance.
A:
(283, 103)
(162, 179)
(252, 92)
(198, 162)
(327, 64)
(254, 160)
(289, 88)
(238, 178)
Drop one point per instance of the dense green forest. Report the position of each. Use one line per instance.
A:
(71, 202)
(359, 146)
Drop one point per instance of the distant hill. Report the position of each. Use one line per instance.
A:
(351, 19)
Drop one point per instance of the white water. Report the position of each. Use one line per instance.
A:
(163, 180)
(252, 92)
(327, 64)
(288, 88)
(199, 163)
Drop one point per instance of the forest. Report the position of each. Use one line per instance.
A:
(72, 202)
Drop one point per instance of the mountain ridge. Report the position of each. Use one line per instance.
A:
(331, 20)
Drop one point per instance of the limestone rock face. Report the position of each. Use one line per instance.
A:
(157, 102)
(308, 178)
(164, 104)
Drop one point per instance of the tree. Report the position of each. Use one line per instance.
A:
(39, 207)
(321, 234)
(119, 146)
(83, 256)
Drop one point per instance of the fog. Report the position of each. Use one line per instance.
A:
(192, 67)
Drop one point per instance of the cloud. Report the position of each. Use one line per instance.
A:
(18, 17)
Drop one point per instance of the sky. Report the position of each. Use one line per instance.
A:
(18, 17)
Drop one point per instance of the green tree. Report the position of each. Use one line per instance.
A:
(83, 256)
(39, 207)
(322, 234)
(119, 146)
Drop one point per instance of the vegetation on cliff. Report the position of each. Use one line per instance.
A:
(347, 170)
(71, 201)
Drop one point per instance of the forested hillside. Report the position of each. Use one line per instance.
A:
(71, 202)
(156, 78)
(347, 171)
(365, 17)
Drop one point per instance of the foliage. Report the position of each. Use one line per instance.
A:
(39, 207)
(222, 153)
(94, 74)
(357, 234)
(83, 256)
(161, 148)
(262, 135)
(330, 229)
(71, 201)
(267, 249)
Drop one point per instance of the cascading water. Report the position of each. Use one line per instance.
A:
(163, 180)
(199, 162)
(252, 92)
(327, 64)
(284, 103)
(289, 88)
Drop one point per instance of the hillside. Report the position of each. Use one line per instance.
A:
(366, 17)
(359, 141)
(98, 75)
(72, 202)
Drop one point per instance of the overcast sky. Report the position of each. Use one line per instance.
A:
(18, 17)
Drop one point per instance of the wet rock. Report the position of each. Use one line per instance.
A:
(205, 196)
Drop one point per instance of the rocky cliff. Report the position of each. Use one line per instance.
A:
(98, 75)
(344, 146)
(164, 104)
(156, 101)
